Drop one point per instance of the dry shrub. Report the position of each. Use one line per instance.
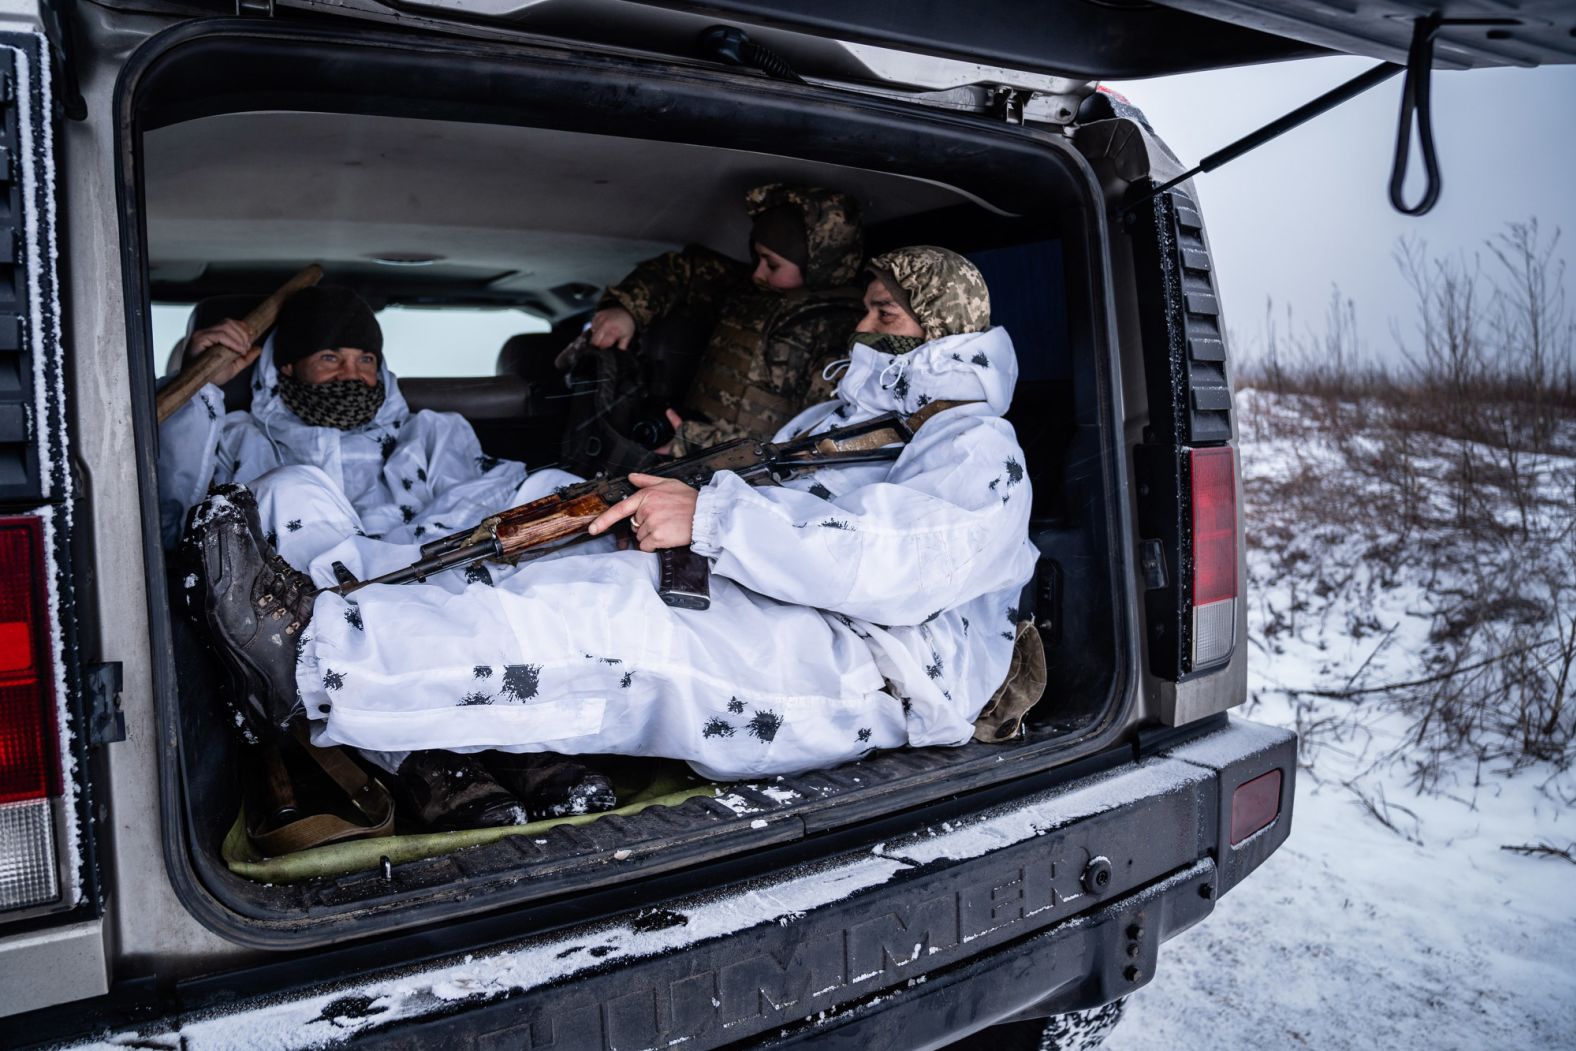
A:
(1457, 470)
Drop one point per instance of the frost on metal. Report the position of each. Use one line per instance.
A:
(322, 1018)
(36, 183)
(36, 169)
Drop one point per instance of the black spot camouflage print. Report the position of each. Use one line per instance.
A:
(476, 573)
(735, 706)
(764, 725)
(482, 671)
(520, 681)
(294, 525)
(407, 483)
(406, 512)
(387, 443)
(421, 531)
(864, 734)
(421, 473)
(980, 359)
(835, 523)
(628, 678)
(353, 616)
(717, 727)
(476, 697)
(333, 680)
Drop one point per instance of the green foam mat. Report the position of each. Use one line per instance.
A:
(669, 786)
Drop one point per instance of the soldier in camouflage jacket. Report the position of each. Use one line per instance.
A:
(774, 329)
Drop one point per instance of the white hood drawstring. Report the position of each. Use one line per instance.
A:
(901, 365)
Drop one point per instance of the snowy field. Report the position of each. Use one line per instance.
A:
(1394, 917)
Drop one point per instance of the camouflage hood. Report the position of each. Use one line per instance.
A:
(834, 239)
(941, 289)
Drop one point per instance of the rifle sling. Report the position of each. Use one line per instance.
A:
(365, 793)
(888, 435)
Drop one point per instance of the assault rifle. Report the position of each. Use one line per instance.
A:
(551, 522)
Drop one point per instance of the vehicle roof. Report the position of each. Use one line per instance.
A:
(538, 217)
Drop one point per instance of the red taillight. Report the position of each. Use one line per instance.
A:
(1214, 525)
(29, 758)
(1254, 805)
(1214, 500)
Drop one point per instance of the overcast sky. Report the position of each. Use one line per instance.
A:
(1312, 207)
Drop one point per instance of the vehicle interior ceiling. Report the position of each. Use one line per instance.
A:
(543, 220)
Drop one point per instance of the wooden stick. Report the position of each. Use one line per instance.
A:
(210, 362)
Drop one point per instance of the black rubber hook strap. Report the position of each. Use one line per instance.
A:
(1417, 109)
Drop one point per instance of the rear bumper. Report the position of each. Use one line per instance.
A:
(1054, 902)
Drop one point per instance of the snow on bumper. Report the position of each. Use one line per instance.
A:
(713, 968)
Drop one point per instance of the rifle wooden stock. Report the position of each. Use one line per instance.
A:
(208, 364)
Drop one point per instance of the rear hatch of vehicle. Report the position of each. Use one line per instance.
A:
(1025, 209)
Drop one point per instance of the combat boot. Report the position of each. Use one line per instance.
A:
(451, 791)
(254, 606)
(552, 785)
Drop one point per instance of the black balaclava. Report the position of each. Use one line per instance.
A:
(324, 318)
(327, 318)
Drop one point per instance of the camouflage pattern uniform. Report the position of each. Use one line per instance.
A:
(942, 290)
(768, 350)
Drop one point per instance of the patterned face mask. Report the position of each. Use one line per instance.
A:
(345, 404)
(886, 344)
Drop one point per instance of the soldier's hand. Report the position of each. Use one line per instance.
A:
(612, 326)
(661, 514)
(677, 423)
(228, 337)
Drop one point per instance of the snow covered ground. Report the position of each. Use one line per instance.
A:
(1394, 917)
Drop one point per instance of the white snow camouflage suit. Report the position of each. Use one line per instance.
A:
(368, 497)
(858, 608)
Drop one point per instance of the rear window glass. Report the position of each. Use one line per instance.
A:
(418, 341)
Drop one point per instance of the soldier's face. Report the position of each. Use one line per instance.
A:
(343, 363)
(775, 272)
(884, 315)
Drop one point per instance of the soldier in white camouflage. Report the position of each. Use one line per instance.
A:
(775, 327)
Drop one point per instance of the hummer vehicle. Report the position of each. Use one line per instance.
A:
(464, 159)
